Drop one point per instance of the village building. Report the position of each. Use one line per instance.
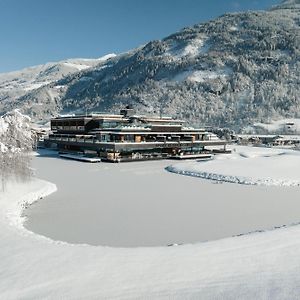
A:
(268, 140)
(128, 137)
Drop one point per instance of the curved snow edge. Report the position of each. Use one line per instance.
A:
(233, 179)
(37, 189)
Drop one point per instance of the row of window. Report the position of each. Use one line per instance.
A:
(67, 123)
(68, 128)
(130, 137)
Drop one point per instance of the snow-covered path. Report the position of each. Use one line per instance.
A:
(257, 266)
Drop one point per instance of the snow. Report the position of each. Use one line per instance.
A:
(3, 126)
(182, 76)
(192, 49)
(104, 209)
(292, 4)
(252, 166)
(255, 266)
(79, 67)
(201, 75)
(260, 265)
(14, 207)
(92, 60)
(17, 83)
(15, 119)
(32, 86)
(3, 148)
(81, 158)
(291, 125)
(234, 28)
(107, 56)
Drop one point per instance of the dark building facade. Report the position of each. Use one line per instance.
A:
(128, 137)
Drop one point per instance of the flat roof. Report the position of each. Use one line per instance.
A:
(161, 120)
(119, 117)
(70, 118)
(90, 118)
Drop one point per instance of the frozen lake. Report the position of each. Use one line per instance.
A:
(141, 204)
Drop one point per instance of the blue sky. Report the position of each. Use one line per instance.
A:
(38, 31)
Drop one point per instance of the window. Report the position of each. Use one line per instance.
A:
(129, 138)
(105, 138)
(108, 124)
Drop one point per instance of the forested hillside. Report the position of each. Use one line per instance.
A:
(233, 71)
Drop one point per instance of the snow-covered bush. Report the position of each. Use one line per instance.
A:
(15, 146)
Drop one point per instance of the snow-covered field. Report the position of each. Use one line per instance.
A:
(257, 266)
(101, 204)
(248, 165)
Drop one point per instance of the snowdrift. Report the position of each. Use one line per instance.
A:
(252, 166)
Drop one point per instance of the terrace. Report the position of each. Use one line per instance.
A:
(115, 137)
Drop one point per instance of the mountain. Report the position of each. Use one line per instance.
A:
(288, 4)
(233, 71)
(16, 84)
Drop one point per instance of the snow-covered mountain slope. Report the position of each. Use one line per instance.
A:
(236, 70)
(16, 84)
(289, 4)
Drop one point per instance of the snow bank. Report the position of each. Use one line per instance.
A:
(252, 166)
(15, 201)
(260, 265)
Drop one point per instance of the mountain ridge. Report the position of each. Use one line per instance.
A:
(234, 70)
(16, 84)
(288, 4)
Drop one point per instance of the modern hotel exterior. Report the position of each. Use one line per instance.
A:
(128, 137)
